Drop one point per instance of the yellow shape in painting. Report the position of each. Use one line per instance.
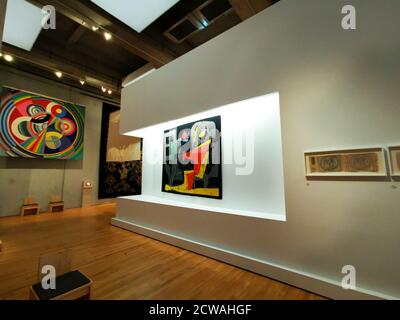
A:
(204, 159)
(214, 192)
(181, 187)
(203, 167)
(53, 140)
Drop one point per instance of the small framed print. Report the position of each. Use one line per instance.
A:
(338, 163)
(394, 153)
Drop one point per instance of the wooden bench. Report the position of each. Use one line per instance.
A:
(70, 285)
(73, 285)
(29, 207)
(56, 204)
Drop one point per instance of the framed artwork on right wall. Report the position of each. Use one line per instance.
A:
(394, 153)
(367, 162)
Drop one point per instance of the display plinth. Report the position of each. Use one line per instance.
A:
(133, 202)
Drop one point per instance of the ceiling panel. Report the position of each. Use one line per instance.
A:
(22, 24)
(137, 14)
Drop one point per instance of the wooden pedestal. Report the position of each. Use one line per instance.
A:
(56, 206)
(29, 209)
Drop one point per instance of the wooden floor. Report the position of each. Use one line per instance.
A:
(122, 264)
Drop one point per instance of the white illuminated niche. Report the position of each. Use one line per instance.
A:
(258, 194)
(23, 24)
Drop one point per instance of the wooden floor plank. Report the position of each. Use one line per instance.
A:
(122, 264)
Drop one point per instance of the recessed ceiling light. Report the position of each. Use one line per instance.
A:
(8, 58)
(137, 14)
(95, 28)
(103, 89)
(107, 36)
(204, 23)
(109, 92)
(82, 82)
(58, 74)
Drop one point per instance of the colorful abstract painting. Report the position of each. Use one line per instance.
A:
(120, 158)
(192, 159)
(33, 126)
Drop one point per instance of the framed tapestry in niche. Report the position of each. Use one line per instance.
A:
(192, 159)
(120, 171)
(356, 162)
(35, 126)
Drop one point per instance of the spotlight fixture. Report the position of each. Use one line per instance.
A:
(82, 82)
(103, 89)
(107, 36)
(8, 58)
(109, 92)
(95, 28)
(203, 23)
(58, 74)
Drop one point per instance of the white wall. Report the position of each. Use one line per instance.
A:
(337, 89)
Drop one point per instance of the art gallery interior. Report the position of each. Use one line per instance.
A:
(199, 149)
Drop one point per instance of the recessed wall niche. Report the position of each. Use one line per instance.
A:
(251, 160)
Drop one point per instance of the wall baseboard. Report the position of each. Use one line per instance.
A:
(297, 278)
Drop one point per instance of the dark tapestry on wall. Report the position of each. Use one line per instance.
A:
(192, 159)
(120, 171)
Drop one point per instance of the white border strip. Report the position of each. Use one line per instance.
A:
(174, 203)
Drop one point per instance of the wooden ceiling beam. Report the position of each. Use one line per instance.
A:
(76, 35)
(87, 14)
(243, 8)
(260, 5)
(71, 70)
(248, 8)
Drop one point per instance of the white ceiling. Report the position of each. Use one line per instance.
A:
(22, 24)
(138, 14)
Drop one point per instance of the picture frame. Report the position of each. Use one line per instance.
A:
(363, 162)
(394, 160)
(192, 159)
